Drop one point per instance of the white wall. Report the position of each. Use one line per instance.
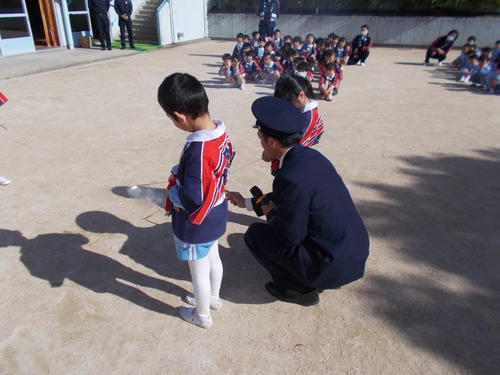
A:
(407, 31)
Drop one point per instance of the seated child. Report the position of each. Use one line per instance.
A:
(236, 74)
(251, 68)
(468, 68)
(259, 52)
(277, 58)
(238, 48)
(492, 79)
(478, 76)
(278, 42)
(288, 65)
(320, 50)
(330, 56)
(303, 69)
(461, 60)
(496, 50)
(297, 43)
(247, 48)
(255, 40)
(226, 65)
(329, 82)
(309, 47)
(269, 48)
(342, 52)
(270, 72)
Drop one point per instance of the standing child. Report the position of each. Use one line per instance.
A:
(198, 193)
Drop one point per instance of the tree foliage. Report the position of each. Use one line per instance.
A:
(401, 7)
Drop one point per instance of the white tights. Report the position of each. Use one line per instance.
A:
(206, 275)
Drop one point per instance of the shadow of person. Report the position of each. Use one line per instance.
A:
(152, 247)
(56, 257)
(244, 277)
(445, 228)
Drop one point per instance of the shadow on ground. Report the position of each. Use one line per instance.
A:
(57, 257)
(448, 220)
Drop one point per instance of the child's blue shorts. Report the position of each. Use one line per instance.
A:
(190, 251)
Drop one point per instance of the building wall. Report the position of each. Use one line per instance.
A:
(385, 31)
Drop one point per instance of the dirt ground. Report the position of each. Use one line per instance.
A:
(89, 277)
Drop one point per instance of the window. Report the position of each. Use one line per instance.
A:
(11, 6)
(13, 27)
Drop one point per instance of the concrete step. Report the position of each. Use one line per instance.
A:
(144, 22)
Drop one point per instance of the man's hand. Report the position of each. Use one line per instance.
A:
(236, 199)
(268, 207)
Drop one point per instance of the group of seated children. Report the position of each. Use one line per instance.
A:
(479, 66)
(258, 59)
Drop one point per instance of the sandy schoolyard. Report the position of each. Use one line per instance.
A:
(89, 277)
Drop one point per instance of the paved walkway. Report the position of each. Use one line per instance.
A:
(55, 59)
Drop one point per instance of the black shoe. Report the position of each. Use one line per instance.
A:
(292, 296)
(132, 46)
(122, 47)
(103, 48)
(109, 48)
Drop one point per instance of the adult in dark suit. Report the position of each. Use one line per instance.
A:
(124, 10)
(98, 9)
(314, 238)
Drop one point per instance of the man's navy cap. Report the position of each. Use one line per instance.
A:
(278, 118)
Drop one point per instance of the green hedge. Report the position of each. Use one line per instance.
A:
(400, 7)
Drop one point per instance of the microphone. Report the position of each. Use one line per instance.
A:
(259, 199)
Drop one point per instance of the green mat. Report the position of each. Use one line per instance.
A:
(138, 46)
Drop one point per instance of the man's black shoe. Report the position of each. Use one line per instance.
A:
(292, 296)
(132, 46)
(103, 48)
(122, 47)
(109, 48)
